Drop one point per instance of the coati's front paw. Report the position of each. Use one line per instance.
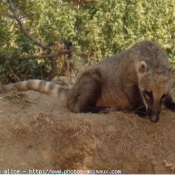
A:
(141, 112)
(169, 103)
(106, 110)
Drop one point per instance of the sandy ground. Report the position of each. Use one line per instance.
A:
(39, 134)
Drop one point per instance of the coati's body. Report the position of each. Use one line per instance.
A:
(138, 78)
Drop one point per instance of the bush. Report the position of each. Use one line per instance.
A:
(97, 29)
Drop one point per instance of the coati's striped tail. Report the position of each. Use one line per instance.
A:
(40, 86)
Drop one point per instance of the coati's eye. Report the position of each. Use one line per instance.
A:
(148, 94)
(163, 97)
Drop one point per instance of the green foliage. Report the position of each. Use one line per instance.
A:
(97, 29)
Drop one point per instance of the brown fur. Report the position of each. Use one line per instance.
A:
(119, 82)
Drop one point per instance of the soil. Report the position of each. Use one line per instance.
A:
(38, 134)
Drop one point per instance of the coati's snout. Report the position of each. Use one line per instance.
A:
(154, 118)
(154, 114)
(153, 107)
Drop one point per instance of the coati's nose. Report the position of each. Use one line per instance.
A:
(154, 118)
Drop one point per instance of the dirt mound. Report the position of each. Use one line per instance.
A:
(39, 134)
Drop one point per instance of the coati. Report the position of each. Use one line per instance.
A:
(138, 78)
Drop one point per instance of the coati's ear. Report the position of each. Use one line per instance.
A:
(172, 69)
(142, 67)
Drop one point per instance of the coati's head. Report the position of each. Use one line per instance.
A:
(154, 85)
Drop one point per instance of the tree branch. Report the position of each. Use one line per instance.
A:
(52, 55)
(24, 30)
